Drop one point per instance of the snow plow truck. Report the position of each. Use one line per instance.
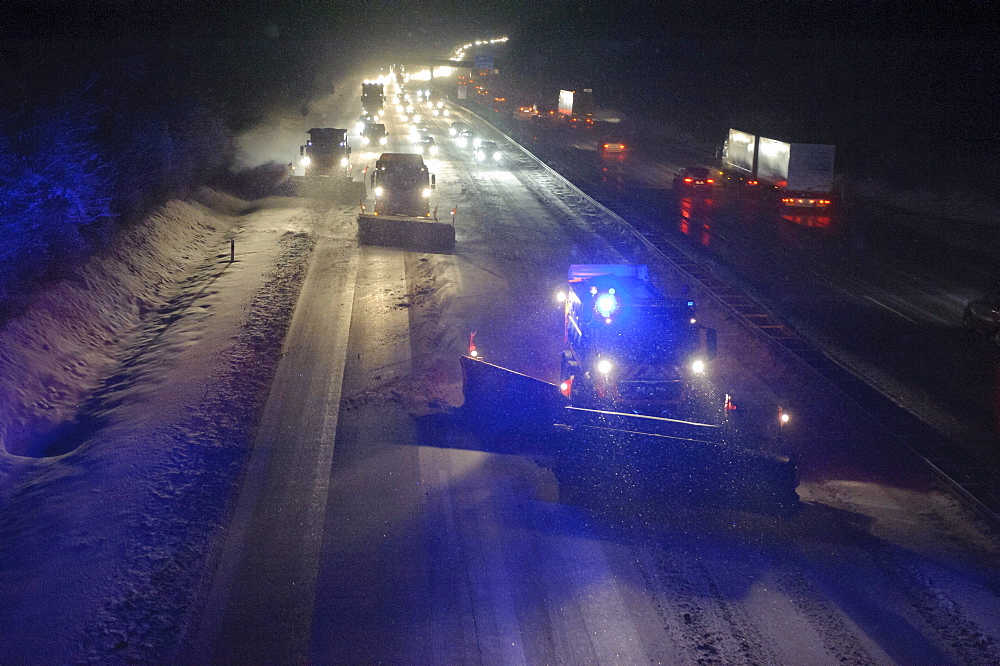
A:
(402, 215)
(325, 163)
(632, 359)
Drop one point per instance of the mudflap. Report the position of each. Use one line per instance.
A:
(503, 400)
(408, 233)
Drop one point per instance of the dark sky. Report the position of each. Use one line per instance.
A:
(854, 73)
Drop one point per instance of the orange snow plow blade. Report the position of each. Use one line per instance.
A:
(418, 234)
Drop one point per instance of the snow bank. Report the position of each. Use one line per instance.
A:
(56, 354)
(166, 350)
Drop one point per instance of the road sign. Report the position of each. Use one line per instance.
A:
(484, 62)
(461, 92)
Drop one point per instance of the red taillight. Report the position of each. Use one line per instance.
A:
(751, 182)
(687, 180)
(709, 181)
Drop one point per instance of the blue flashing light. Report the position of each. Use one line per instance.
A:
(606, 304)
(690, 304)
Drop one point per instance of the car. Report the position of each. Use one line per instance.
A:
(427, 146)
(698, 178)
(612, 147)
(982, 315)
(488, 152)
(456, 128)
(465, 137)
(374, 134)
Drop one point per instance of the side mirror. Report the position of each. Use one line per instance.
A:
(433, 181)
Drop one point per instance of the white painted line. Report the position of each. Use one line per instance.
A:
(895, 312)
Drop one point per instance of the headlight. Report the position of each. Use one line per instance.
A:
(378, 191)
(427, 192)
(344, 161)
(434, 150)
(416, 117)
(364, 141)
(698, 366)
(604, 366)
(383, 141)
(463, 142)
(476, 142)
(497, 156)
(446, 113)
(359, 128)
(480, 156)
(306, 161)
(420, 149)
(452, 131)
(436, 112)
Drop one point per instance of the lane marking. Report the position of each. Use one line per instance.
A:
(895, 312)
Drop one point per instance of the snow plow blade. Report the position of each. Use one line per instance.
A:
(668, 468)
(507, 400)
(596, 453)
(338, 190)
(419, 234)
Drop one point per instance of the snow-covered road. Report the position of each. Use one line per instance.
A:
(247, 497)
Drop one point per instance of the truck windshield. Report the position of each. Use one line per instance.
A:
(404, 178)
(660, 337)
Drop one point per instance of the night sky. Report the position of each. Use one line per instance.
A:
(899, 90)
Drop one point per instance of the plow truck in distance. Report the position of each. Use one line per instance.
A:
(800, 174)
(325, 165)
(372, 97)
(402, 215)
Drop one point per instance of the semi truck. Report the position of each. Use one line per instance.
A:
(326, 153)
(372, 97)
(577, 103)
(374, 135)
(801, 174)
(627, 346)
(402, 214)
(325, 166)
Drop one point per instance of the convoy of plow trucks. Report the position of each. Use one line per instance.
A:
(632, 411)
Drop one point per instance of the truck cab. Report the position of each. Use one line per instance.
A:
(326, 153)
(628, 347)
(374, 134)
(402, 185)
